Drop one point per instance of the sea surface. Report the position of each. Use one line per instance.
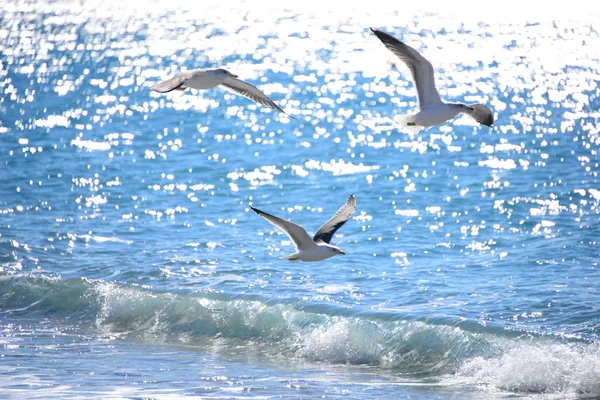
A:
(131, 265)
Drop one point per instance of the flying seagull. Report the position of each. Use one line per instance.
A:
(203, 79)
(317, 248)
(432, 110)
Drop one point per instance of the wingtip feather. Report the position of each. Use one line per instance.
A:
(382, 35)
(256, 210)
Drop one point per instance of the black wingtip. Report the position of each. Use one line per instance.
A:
(290, 116)
(276, 107)
(379, 33)
(352, 198)
(386, 38)
(259, 212)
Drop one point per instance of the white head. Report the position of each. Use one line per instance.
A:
(336, 251)
(225, 73)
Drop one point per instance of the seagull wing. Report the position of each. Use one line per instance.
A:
(252, 92)
(420, 69)
(481, 114)
(296, 233)
(326, 232)
(175, 82)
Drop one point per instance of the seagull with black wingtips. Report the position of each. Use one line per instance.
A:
(317, 248)
(203, 79)
(432, 110)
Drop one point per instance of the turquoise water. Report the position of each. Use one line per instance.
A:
(131, 265)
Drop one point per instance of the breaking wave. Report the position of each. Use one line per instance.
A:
(451, 351)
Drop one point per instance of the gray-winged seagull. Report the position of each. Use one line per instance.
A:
(432, 110)
(317, 248)
(203, 79)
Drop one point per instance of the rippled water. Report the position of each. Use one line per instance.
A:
(131, 264)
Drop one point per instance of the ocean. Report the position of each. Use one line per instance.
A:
(131, 265)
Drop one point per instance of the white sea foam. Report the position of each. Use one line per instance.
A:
(343, 341)
(569, 370)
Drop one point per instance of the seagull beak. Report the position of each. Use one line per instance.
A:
(235, 76)
(342, 253)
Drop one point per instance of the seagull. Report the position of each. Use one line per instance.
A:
(317, 248)
(432, 110)
(203, 79)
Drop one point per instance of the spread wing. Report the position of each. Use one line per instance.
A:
(326, 232)
(420, 69)
(173, 83)
(295, 232)
(252, 92)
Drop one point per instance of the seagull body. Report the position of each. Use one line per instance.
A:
(317, 248)
(432, 110)
(203, 79)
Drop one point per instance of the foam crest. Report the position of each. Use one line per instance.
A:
(453, 351)
(321, 334)
(568, 369)
(343, 341)
(181, 318)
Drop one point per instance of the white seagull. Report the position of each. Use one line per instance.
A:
(203, 79)
(432, 110)
(317, 248)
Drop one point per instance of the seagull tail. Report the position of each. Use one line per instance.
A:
(407, 123)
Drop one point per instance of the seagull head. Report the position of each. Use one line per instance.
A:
(226, 73)
(336, 251)
(478, 112)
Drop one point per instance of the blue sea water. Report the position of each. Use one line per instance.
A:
(132, 267)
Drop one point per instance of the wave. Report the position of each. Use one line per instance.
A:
(532, 367)
(452, 351)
